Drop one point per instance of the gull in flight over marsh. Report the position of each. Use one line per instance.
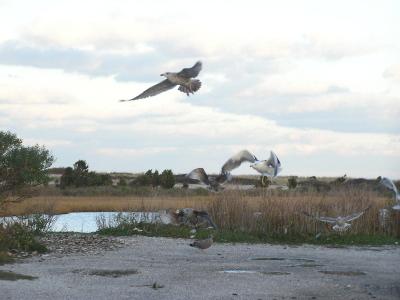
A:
(214, 182)
(187, 216)
(183, 78)
(270, 167)
(339, 223)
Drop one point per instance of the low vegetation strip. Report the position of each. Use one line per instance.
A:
(66, 204)
(232, 236)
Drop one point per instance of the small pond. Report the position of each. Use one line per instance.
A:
(88, 221)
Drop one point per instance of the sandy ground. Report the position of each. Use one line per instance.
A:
(224, 271)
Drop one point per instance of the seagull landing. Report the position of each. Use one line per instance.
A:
(183, 78)
(270, 167)
(339, 223)
(195, 218)
(391, 186)
(232, 163)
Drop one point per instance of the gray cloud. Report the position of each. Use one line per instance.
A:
(126, 67)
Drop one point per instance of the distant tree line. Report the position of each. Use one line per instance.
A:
(80, 176)
(166, 179)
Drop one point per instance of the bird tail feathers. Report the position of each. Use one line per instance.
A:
(195, 85)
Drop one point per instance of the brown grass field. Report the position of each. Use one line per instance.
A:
(278, 212)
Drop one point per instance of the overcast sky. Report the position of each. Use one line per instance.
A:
(318, 82)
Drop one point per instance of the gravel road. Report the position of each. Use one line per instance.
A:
(161, 268)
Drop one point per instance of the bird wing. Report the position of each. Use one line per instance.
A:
(329, 220)
(236, 160)
(206, 216)
(156, 89)
(191, 72)
(389, 184)
(354, 216)
(198, 174)
(274, 163)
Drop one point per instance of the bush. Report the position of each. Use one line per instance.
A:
(79, 176)
(167, 179)
(292, 182)
(122, 182)
(142, 180)
(21, 168)
(18, 236)
(155, 179)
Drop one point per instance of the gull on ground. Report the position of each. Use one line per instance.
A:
(391, 186)
(183, 78)
(202, 244)
(384, 215)
(339, 223)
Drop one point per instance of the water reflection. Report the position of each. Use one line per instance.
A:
(87, 222)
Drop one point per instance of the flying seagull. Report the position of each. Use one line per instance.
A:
(391, 186)
(270, 167)
(183, 78)
(194, 218)
(202, 244)
(339, 223)
(187, 216)
(214, 182)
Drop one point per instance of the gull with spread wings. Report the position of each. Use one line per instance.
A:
(270, 167)
(339, 223)
(232, 163)
(391, 186)
(183, 78)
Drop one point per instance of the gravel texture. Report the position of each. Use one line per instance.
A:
(160, 268)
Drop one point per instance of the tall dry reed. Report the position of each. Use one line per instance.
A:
(277, 213)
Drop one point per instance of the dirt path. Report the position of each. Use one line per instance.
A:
(161, 268)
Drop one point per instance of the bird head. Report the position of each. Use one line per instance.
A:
(165, 74)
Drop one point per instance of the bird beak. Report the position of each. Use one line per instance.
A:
(163, 74)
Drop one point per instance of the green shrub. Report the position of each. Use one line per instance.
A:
(122, 182)
(155, 179)
(292, 182)
(167, 179)
(18, 236)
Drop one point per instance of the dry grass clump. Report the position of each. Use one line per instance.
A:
(276, 213)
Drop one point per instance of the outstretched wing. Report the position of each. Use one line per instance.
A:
(203, 214)
(389, 184)
(274, 163)
(354, 216)
(191, 72)
(160, 87)
(236, 160)
(328, 220)
(198, 174)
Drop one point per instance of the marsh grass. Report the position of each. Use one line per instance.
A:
(252, 215)
(276, 217)
(277, 214)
